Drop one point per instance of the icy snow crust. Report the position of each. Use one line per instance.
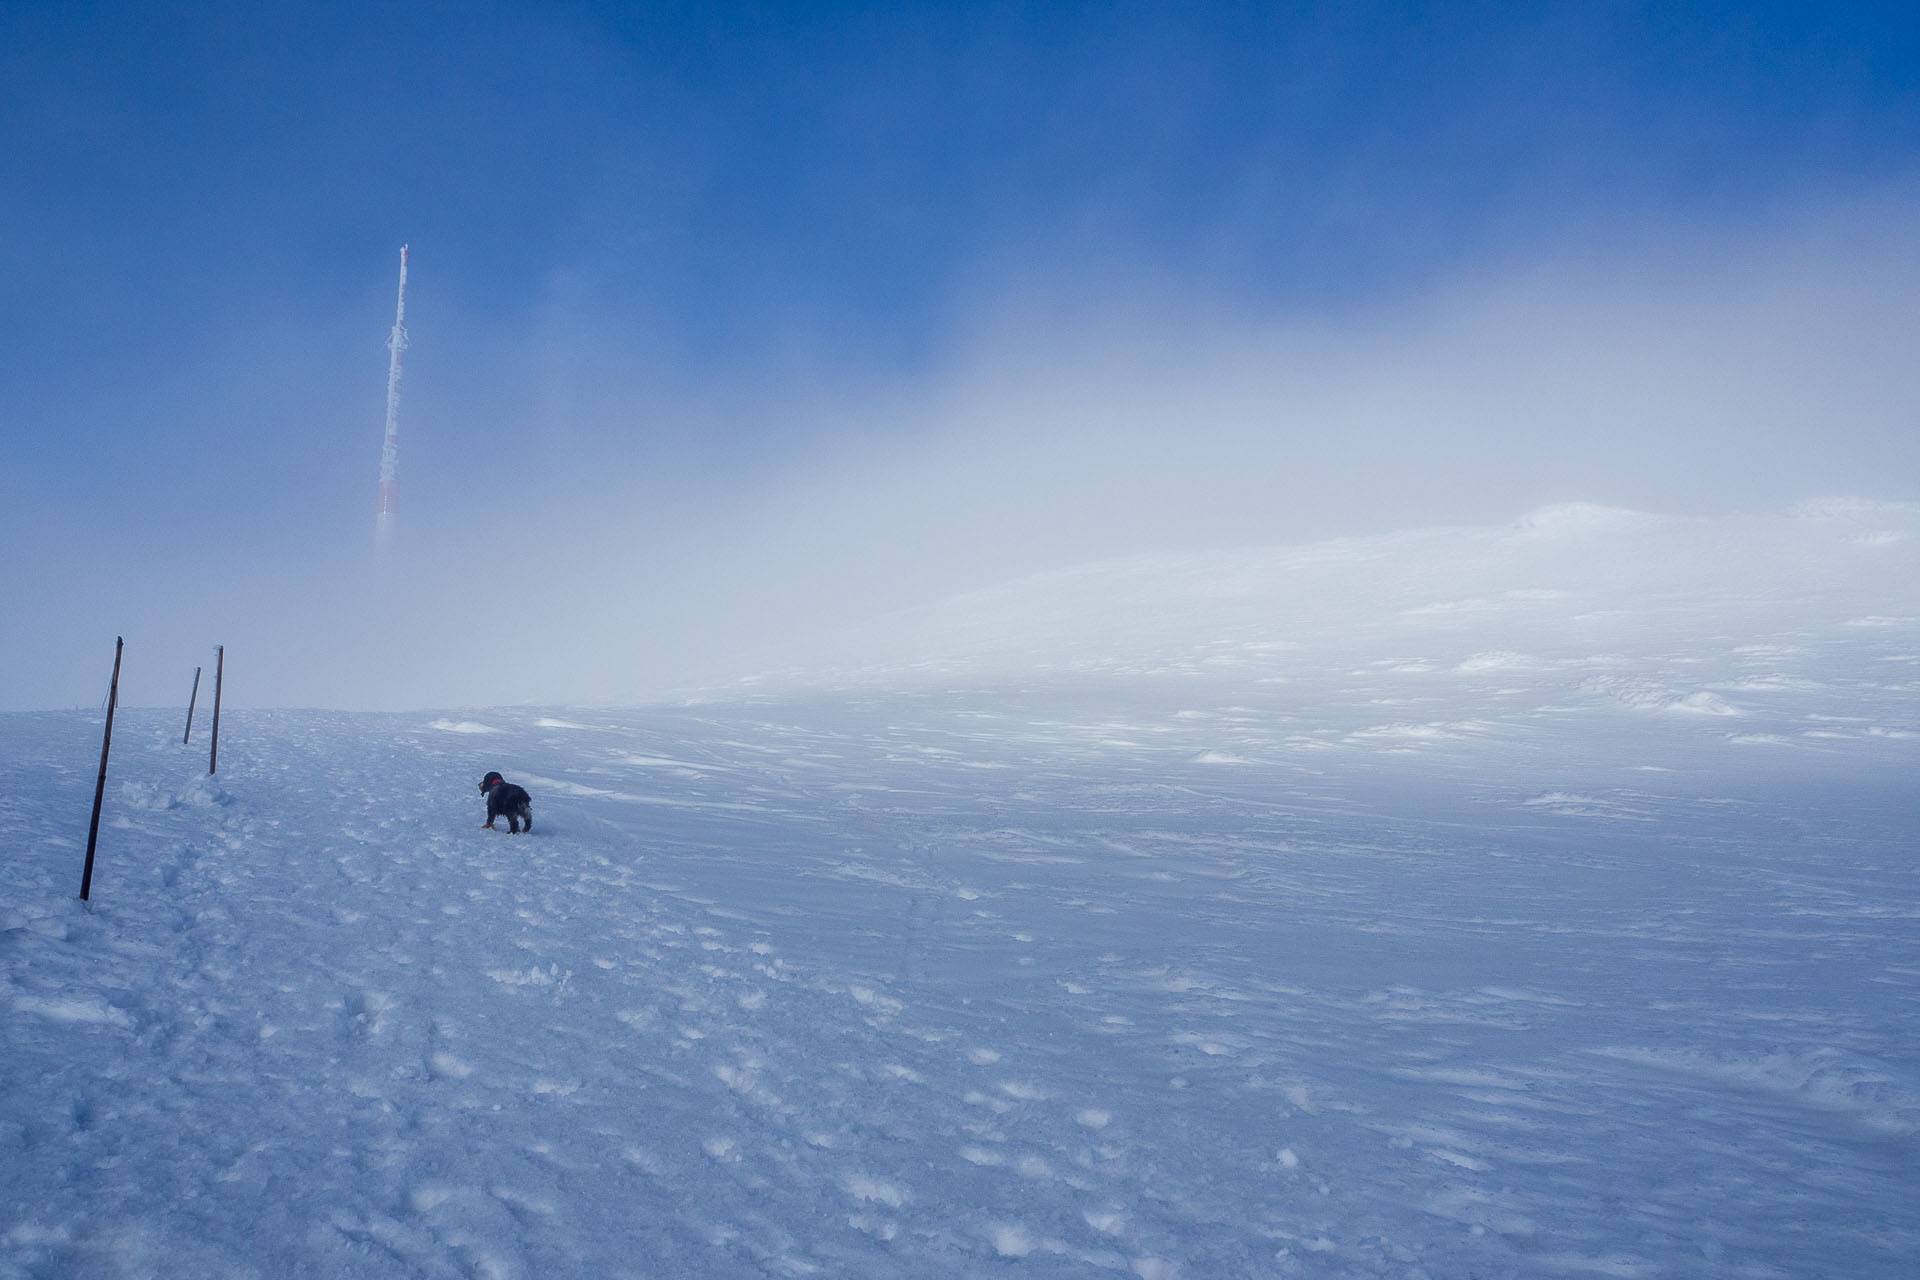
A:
(1565, 920)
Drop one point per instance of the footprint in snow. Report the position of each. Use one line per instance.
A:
(445, 1066)
(865, 1187)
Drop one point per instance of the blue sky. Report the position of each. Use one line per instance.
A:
(696, 285)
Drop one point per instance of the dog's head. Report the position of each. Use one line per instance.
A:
(486, 783)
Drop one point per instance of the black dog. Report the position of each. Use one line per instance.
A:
(504, 797)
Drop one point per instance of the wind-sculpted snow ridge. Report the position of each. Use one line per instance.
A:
(1479, 951)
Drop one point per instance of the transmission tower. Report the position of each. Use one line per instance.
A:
(390, 449)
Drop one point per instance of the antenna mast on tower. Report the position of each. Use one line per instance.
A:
(390, 450)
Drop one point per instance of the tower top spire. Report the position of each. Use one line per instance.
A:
(390, 447)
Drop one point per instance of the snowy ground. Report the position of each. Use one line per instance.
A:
(1530, 903)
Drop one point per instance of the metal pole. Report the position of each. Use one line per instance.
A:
(100, 787)
(219, 666)
(191, 699)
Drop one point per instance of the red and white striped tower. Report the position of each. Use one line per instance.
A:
(390, 450)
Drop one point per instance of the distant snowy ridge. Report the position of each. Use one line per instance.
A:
(1565, 582)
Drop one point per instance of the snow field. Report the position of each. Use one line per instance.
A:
(933, 986)
(1483, 945)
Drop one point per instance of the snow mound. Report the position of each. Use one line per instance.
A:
(1582, 518)
(1644, 695)
(200, 791)
(462, 726)
(1822, 1079)
(1857, 509)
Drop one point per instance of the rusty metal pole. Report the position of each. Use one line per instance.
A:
(191, 699)
(219, 665)
(100, 787)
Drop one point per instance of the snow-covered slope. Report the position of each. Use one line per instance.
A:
(1385, 909)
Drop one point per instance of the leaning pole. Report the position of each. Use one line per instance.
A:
(100, 787)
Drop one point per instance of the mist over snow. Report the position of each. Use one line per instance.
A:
(579, 525)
